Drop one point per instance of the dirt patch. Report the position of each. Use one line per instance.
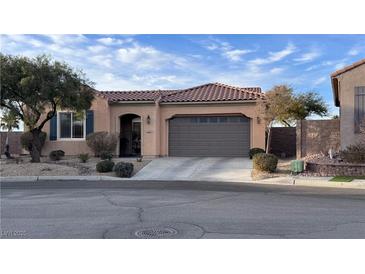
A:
(68, 166)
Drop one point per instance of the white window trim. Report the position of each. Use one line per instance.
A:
(59, 128)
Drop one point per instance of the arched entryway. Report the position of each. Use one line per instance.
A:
(130, 135)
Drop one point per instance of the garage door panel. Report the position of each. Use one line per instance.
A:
(209, 136)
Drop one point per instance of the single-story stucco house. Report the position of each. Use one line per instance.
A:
(208, 120)
(348, 85)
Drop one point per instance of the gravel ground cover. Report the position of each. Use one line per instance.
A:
(68, 166)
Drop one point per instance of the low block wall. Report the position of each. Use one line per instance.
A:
(336, 169)
(317, 136)
(14, 142)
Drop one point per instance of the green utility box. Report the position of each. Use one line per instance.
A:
(297, 166)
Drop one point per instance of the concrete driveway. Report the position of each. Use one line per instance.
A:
(223, 169)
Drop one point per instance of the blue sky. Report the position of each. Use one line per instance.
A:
(129, 62)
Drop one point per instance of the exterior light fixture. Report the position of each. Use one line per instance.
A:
(148, 119)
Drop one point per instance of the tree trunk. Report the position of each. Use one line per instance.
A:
(268, 138)
(7, 147)
(35, 152)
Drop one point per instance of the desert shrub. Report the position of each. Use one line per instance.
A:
(123, 169)
(84, 157)
(106, 155)
(265, 162)
(255, 150)
(56, 155)
(101, 141)
(354, 153)
(104, 166)
(27, 137)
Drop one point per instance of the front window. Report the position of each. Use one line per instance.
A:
(72, 125)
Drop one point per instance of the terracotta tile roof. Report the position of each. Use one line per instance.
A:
(350, 67)
(211, 92)
(142, 95)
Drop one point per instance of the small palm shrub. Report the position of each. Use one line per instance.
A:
(255, 150)
(123, 169)
(84, 157)
(105, 155)
(265, 162)
(104, 166)
(354, 153)
(56, 155)
(27, 137)
(102, 141)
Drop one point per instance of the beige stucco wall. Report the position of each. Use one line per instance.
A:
(347, 83)
(247, 109)
(74, 147)
(154, 135)
(149, 132)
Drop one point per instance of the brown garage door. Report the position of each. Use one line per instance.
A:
(209, 136)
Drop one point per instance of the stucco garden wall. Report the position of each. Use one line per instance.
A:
(317, 136)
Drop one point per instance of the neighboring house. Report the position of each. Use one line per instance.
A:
(348, 85)
(207, 120)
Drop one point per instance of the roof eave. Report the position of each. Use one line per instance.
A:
(336, 99)
(209, 102)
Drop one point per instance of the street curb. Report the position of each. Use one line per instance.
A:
(289, 181)
(33, 179)
(313, 182)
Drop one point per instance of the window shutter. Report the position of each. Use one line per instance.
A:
(359, 107)
(53, 128)
(89, 122)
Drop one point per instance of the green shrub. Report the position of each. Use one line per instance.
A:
(354, 153)
(56, 155)
(27, 137)
(84, 157)
(265, 162)
(255, 150)
(104, 166)
(123, 169)
(102, 141)
(106, 155)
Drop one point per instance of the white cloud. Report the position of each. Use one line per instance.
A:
(353, 52)
(235, 55)
(97, 48)
(104, 60)
(109, 41)
(148, 57)
(66, 39)
(276, 70)
(225, 49)
(320, 80)
(275, 56)
(308, 56)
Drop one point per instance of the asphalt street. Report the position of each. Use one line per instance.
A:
(145, 209)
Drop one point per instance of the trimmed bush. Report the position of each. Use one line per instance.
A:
(104, 166)
(27, 137)
(255, 150)
(354, 153)
(102, 141)
(106, 155)
(84, 157)
(124, 169)
(265, 162)
(56, 155)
